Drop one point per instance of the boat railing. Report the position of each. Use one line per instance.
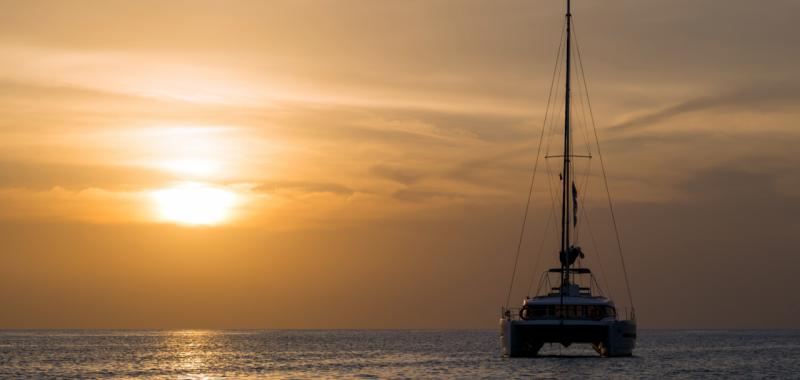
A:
(513, 314)
(586, 287)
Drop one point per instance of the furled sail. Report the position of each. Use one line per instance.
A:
(574, 205)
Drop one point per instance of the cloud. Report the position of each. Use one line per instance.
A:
(45, 176)
(404, 175)
(419, 195)
(298, 187)
(735, 189)
(763, 97)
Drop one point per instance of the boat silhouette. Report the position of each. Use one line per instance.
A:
(572, 311)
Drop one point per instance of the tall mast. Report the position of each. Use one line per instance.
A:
(565, 212)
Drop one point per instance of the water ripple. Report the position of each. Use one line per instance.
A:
(383, 354)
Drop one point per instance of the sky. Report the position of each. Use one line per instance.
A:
(365, 164)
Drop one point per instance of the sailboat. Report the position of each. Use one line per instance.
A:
(571, 311)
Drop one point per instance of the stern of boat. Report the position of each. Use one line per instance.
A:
(516, 343)
(524, 338)
(621, 339)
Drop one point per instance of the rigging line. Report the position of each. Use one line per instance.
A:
(550, 176)
(553, 195)
(551, 217)
(554, 109)
(539, 253)
(583, 108)
(533, 178)
(583, 190)
(558, 109)
(597, 251)
(605, 181)
(551, 122)
(554, 201)
(553, 126)
(544, 280)
(599, 289)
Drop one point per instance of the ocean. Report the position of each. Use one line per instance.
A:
(401, 354)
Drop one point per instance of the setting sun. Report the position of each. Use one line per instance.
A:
(194, 204)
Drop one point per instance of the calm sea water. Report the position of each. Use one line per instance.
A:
(383, 354)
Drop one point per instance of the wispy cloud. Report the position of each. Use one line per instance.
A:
(753, 98)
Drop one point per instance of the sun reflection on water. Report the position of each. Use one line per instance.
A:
(194, 353)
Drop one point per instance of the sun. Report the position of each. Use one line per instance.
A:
(194, 204)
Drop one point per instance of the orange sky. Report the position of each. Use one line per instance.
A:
(311, 164)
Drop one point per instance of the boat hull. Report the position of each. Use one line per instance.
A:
(524, 338)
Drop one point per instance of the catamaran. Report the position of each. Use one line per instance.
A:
(571, 311)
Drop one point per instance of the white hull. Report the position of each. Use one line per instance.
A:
(524, 338)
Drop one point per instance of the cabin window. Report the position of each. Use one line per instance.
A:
(592, 312)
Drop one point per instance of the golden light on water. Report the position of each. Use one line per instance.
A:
(194, 204)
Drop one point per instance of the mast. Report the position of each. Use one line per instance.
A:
(565, 212)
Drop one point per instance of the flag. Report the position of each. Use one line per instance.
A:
(574, 205)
